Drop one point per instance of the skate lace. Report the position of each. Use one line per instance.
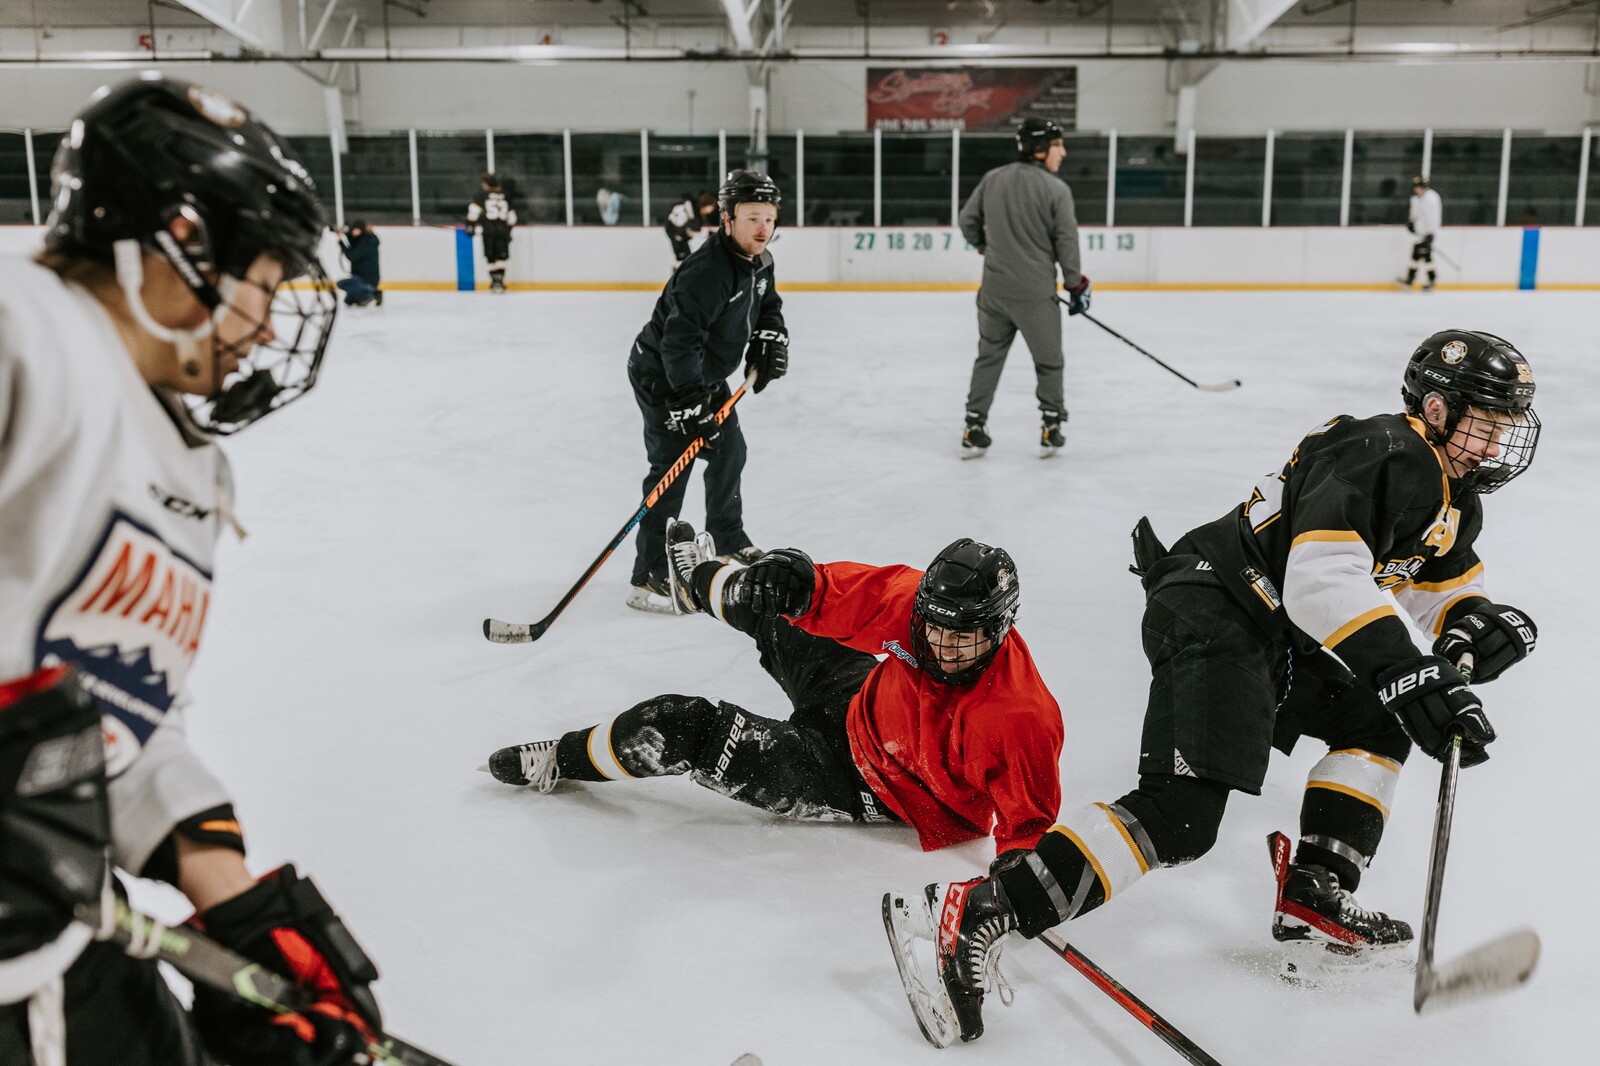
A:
(539, 767)
(988, 944)
(1351, 909)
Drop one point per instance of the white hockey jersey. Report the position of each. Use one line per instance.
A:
(1427, 214)
(109, 520)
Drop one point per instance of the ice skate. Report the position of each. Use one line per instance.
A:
(530, 765)
(744, 556)
(974, 918)
(1323, 928)
(1403, 284)
(1051, 439)
(685, 551)
(975, 438)
(653, 596)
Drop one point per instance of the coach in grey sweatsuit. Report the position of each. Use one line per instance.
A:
(1021, 219)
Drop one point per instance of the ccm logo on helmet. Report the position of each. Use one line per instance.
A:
(1402, 685)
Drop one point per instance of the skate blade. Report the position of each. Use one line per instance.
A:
(974, 453)
(648, 604)
(1323, 964)
(905, 921)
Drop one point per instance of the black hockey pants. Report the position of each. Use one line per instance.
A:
(799, 768)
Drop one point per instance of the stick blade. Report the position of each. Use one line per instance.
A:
(1493, 967)
(1221, 386)
(508, 632)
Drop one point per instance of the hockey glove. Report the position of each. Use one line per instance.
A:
(1411, 227)
(768, 356)
(54, 819)
(777, 584)
(692, 413)
(1432, 700)
(1495, 635)
(1078, 298)
(284, 923)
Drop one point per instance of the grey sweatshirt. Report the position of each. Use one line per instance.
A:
(1020, 216)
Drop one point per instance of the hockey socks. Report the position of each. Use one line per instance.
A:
(1347, 801)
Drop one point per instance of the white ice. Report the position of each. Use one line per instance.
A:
(468, 455)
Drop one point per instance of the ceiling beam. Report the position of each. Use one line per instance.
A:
(1249, 19)
(739, 22)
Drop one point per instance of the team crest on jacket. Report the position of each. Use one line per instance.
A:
(132, 621)
(1441, 536)
(761, 287)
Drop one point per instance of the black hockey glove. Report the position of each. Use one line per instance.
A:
(284, 923)
(1495, 635)
(692, 413)
(768, 356)
(1411, 227)
(55, 823)
(778, 583)
(1432, 700)
(1078, 298)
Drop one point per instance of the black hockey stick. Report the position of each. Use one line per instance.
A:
(1128, 1001)
(207, 962)
(1221, 386)
(524, 633)
(1500, 964)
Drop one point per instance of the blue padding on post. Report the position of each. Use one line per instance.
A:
(1527, 277)
(466, 262)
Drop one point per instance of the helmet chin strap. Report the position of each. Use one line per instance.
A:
(129, 257)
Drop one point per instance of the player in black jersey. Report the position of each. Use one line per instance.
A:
(1276, 622)
(491, 214)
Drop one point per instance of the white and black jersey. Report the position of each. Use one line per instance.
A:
(109, 518)
(1426, 214)
(1362, 507)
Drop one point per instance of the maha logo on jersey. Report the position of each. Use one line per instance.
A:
(132, 621)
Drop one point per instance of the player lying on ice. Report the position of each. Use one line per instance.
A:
(1364, 507)
(952, 732)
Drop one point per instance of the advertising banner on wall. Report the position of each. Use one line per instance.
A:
(917, 99)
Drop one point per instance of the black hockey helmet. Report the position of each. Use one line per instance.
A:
(747, 187)
(969, 586)
(154, 149)
(1470, 368)
(1034, 135)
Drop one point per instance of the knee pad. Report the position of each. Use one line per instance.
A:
(1179, 816)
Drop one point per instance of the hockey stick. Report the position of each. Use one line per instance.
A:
(1221, 386)
(1129, 1002)
(1500, 964)
(524, 633)
(204, 961)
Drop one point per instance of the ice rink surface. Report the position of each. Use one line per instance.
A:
(468, 455)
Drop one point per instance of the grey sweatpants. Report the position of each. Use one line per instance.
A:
(999, 320)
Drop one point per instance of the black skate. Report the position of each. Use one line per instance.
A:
(685, 551)
(1322, 922)
(653, 596)
(975, 438)
(968, 922)
(531, 765)
(1051, 439)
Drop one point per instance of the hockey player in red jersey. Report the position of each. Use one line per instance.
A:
(156, 318)
(1240, 618)
(953, 732)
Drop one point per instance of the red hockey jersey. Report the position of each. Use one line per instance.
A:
(954, 761)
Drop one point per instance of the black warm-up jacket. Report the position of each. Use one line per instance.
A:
(704, 318)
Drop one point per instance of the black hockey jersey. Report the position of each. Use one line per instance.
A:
(1362, 507)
